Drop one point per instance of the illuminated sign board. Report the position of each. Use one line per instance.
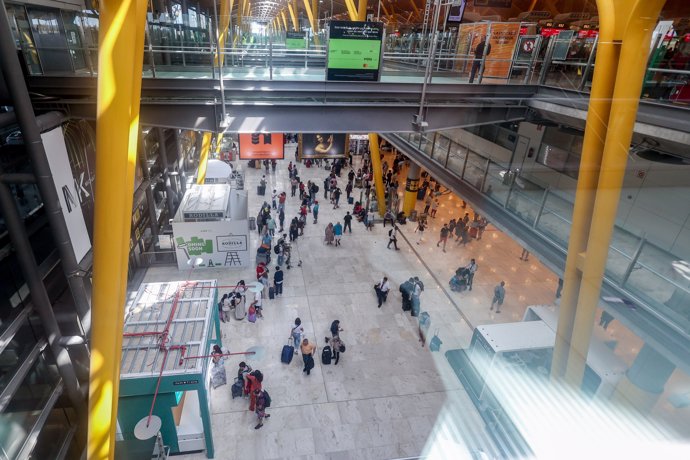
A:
(295, 40)
(354, 51)
(456, 11)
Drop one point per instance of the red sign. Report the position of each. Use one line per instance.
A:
(262, 146)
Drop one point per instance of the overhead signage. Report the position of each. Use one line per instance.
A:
(261, 146)
(457, 11)
(354, 51)
(295, 40)
(322, 145)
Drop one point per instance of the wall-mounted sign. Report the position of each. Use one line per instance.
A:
(354, 51)
(186, 382)
(227, 243)
(323, 145)
(456, 11)
(295, 40)
(261, 146)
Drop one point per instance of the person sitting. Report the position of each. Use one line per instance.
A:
(400, 218)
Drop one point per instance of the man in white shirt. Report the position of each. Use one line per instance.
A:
(382, 290)
(471, 268)
(258, 304)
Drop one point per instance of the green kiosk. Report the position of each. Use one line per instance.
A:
(165, 372)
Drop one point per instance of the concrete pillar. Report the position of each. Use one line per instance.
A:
(644, 382)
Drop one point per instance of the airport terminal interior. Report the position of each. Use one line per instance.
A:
(344, 229)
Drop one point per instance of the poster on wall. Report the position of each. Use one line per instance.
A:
(261, 146)
(354, 51)
(469, 37)
(323, 145)
(295, 40)
(503, 39)
(217, 244)
(66, 188)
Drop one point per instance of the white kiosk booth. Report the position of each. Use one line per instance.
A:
(212, 224)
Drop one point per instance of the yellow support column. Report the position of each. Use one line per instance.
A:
(203, 157)
(411, 188)
(121, 40)
(223, 23)
(311, 14)
(351, 9)
(292, 8)
(362, 10)
(240, 9)
(607, 58)
(378, 173)
(284, 18)
(639, 19)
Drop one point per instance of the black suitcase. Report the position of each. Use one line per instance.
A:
(287, 354)
(326, 355)
(261, 190)
(237, 388)
(271, 292)
(351, 200)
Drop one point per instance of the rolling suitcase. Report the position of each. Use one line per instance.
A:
(473, 232)
(261, 190)
(237, 388)
(287, 353)
(351, 200)
(326, 355)
(271, 292)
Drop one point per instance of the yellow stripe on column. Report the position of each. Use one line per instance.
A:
(203, 158)
(120, 62)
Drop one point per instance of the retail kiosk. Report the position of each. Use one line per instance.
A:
(212, 225)
(164, 376)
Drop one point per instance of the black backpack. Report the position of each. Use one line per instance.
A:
(326, 355)
(267, 399)
(276, 249)
(390, 232)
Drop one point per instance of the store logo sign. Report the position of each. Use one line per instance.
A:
(195, 246)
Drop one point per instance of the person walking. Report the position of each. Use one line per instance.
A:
(258, 300)
(261, 403)
(278, 281)
(274, 199)
(218, 375)
(382, 289)
(225, 308)
(348, 222)
(271, 226)
(370, 220)
(308, 349)
(281, 219)
(499, 296)
(252, 384)
(336, 197)
(337, 347)
(337, 233)
(479, 54)
(393, 238)
(421, 226)
(315, 211)
(427, 204)
(471, 270)
(434, 208)
(444, 237)
(525, 255)
(293, 186)
(296, 334)
(329, 234)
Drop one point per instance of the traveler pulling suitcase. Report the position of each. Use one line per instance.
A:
(287, 353)
(326, 355)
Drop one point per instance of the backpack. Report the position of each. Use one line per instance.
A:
(316, 189)
(390, 232)
(267, 399)
(276, 249)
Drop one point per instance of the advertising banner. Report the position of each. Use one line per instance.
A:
(503, 38)
(261, 146)
(295, 41)
(323, 145)
(354, 51)
(66, 188)
(217, 244)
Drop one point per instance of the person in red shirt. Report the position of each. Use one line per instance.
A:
(260, 270)
(253, 385)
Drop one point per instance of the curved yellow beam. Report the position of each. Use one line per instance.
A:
(203, 157)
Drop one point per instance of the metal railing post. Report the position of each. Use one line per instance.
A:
(464, 163)
(433, 145)
(633, 262)
(486, 174)
(588, 68)
(541, 207)
(547, 61)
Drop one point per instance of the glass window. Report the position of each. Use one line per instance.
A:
(15, 353)
(26, 406)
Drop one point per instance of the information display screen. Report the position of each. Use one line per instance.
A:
(322, 145)
(295, 41)
(261, 146)
(457, 11)
(354, 51)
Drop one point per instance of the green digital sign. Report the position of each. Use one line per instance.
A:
(354, 51)
(295, 41)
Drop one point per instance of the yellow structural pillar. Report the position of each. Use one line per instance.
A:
(292, 8)
(638, 18)
(311, 14)
(240, 10)
(282, 16)
(203, 157)
(607, 58)
(362, 10)
(411, 188)
(121, 45)
(378, 172)
(351, 9)
(223, 24)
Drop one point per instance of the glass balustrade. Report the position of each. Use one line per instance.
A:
(634, 264)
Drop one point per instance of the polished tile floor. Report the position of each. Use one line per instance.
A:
(388, 397)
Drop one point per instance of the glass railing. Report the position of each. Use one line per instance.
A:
(634, 264)
(273, 61)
